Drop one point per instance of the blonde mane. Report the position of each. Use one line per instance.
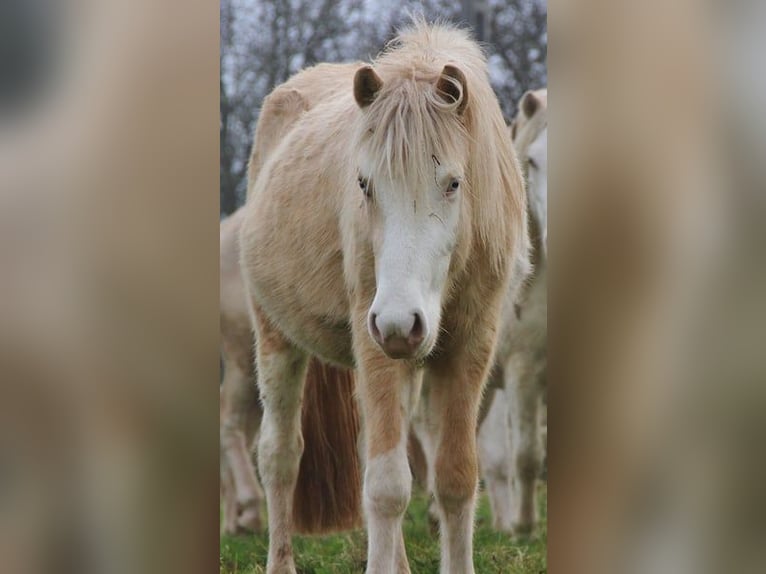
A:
(408, 128)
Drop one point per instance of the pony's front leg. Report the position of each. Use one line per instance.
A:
(455, 382)
(388, 390)
(455, 403)
(282, 374)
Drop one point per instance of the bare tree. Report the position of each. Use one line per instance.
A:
(518, 32)
(229, 174)
(264, 42)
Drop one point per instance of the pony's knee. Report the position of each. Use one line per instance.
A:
(279, 457)
(387, 484)
(281, 387)
(457, 479)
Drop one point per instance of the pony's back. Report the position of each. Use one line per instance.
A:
(285, 105)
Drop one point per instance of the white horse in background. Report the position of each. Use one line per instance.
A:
(510, 438)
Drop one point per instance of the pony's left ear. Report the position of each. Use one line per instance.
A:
(453, 87)
(367, 84)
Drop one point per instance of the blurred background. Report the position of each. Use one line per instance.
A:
(109, 216)
(264, 42)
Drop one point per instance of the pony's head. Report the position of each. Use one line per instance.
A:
(529, 132)
(411, 153)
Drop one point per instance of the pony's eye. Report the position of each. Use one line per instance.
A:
(532, 163)
(364, 185)
(453, 186)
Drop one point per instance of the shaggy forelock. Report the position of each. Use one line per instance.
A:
(410, 122)
(407, 126)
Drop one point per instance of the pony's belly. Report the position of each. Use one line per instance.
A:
(298, 282)
(324, 338)
(324, 335)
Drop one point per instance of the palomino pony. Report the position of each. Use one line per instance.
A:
(382, 235)
(510, 446)
(241, 411)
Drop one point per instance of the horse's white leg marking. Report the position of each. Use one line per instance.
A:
(389, 392)
(524, 394)
(238, 396)
(495, 461)
(281, 377)
(387, 488)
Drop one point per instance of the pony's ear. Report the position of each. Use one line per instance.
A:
(513, 130)
(453, 87)
(367, 84)
(529, 104)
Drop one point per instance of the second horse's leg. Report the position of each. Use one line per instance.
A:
(240, 411)
(524, 396)
(495, 459)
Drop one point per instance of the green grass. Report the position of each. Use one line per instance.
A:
(494, 552)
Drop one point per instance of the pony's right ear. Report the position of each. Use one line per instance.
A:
(529, 104)
(452, 84)
(367, 84)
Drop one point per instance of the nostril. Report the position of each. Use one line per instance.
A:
(374, 325)
(416, 334)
